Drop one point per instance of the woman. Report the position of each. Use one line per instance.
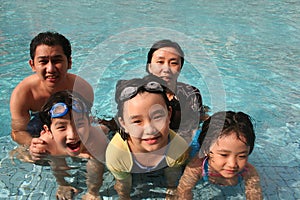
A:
(165, 60)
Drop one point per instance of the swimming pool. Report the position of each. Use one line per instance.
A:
(242, 56)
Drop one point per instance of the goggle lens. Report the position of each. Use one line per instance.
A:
(131, 91)
(61, 109)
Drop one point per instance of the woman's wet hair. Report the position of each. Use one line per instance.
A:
(67, 97)
(139, 83)
(223, 124)
(51, 39)
(161, 44)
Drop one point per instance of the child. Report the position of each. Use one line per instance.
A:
(226, 140)
(67, 132)
(144, 143)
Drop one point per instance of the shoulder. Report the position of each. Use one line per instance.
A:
(27, 85)
(196, 161)
(118, 156)
(81, 86)
(177, 152)
(186, 86)
(23, 92)
(183, 89)
(249, 171)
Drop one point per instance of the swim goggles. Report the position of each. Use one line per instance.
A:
(61, 109)
(131, 91)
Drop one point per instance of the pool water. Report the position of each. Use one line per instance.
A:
(243, 56)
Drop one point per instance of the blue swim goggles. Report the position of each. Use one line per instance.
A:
(61, 109)
(130, 91)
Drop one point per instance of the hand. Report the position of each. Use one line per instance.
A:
(66, 192)
(37, 149)
(171, 193)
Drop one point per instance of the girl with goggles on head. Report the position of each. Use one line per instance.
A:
(68, 132)
(144, 143)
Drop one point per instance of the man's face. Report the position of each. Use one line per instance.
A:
(50, 64)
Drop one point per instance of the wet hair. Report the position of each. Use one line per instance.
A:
(164, 43)
(66, 97)
(139, 83)
(223, 124)
(50, 39)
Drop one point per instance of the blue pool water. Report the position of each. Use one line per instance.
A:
(242, 56)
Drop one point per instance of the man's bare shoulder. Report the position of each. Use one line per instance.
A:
(26, 86)
(80, 85)
(27, 95)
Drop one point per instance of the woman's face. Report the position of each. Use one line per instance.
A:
(166, 64)
(146, 119)
(229, 155)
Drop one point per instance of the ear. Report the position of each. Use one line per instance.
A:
(149, 68)
(122, 124)
(70, 63)
(31, 64)
(46, 131)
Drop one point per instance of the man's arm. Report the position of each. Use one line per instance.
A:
(20, 117)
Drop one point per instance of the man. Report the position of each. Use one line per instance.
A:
(50, 61)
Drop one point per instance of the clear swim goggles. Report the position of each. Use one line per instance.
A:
(130, 91)
(61, 109)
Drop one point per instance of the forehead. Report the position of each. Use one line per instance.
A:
(45, 50)
(144, 101)
(74, 116)
(59, 120)
(230, 142)
(166, 51)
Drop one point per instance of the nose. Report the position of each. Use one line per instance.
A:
(232, 162)
(149, 129)
(72, 134)
(50, 67)
(166, 67)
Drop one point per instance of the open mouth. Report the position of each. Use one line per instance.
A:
(51, 77)
(74, 146)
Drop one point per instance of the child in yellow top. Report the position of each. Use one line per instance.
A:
(226, 140)
(145, 143)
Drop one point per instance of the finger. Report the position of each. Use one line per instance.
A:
(38, 141)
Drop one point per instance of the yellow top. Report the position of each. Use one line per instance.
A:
(120, 162)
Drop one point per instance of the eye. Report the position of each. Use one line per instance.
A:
(160, 62)
(223, 154)
(61, 128)
(136, 122)
(57, 60)
(43, 61)
(80, 124)
(242, 156)
(158, 117)
(174, 63)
